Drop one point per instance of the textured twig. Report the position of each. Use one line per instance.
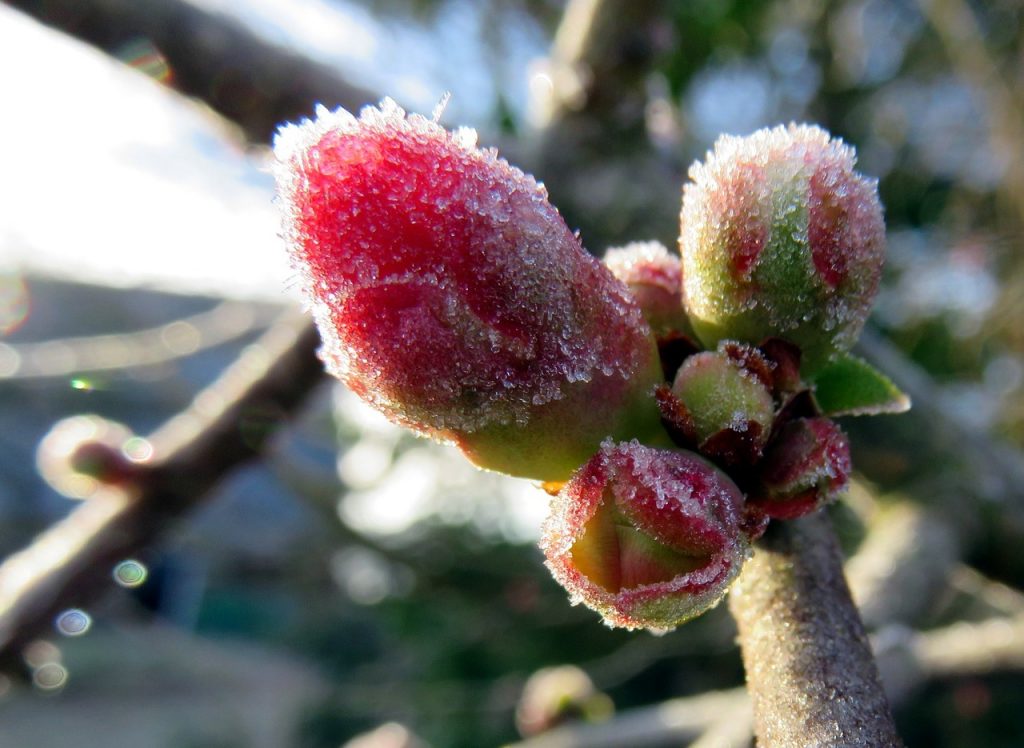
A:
(809, 667)
(907, 660)
(227, 424)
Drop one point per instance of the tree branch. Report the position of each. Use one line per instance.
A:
(809, 667)
(907, 548)
(50, 359)
(212, 56)
(673, 722)
(228, 424)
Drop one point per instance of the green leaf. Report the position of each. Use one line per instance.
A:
(850, 386)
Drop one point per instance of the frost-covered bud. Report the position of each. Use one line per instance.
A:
(781, 238)
(806, 466)
(647, 537)
(729, 405)
(451, 295)
(654, 276)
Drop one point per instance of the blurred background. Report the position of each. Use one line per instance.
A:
(355, 576)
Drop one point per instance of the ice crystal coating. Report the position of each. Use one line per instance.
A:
(647, 537)
(654, 276)
(451, 295)
(806, 466)
(780, 237)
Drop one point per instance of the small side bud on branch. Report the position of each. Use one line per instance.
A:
(730, 407)
(654, 276)
(807, 465)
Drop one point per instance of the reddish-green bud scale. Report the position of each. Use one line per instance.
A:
(721, 395)
(654, 276)
(647, 537)
(451, 295)
(806, 466)
(780, 237)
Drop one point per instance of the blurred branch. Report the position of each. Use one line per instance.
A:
(809, 668)
(228, 424)
(906, 548)
(907, 661)
(224, 323)
(731, 729)
(963, 469)
(671, 722)
(591, 146)
(212, 55)
(600, 58)
(942, 435)
(964, 40)
(996, 595)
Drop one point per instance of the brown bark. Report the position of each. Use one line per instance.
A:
(809, 666)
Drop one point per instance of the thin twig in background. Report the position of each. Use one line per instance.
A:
(906, 548)
(226, 322)
(907, 661)
(228, 424)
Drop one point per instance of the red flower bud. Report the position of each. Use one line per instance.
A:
(646, 537)
(806, 466)
(781, 238)
(654, 277)
(452, 296)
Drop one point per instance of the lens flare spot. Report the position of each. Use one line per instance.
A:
(79, 383)
(74, 622)
(50, 677)
(40, 653)
(138, 449)
(130, 573)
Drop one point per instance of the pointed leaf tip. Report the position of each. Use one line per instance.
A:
(850, 386)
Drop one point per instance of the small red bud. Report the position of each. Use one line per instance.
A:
(806, 466)
(647, 537)
(654, 276)
(451, 295)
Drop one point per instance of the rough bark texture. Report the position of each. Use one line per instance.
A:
(809, 666)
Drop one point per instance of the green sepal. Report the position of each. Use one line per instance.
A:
(850, 386)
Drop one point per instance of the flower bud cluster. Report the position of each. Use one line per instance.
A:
(452, 296)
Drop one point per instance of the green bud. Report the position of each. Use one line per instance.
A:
(781, 238)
